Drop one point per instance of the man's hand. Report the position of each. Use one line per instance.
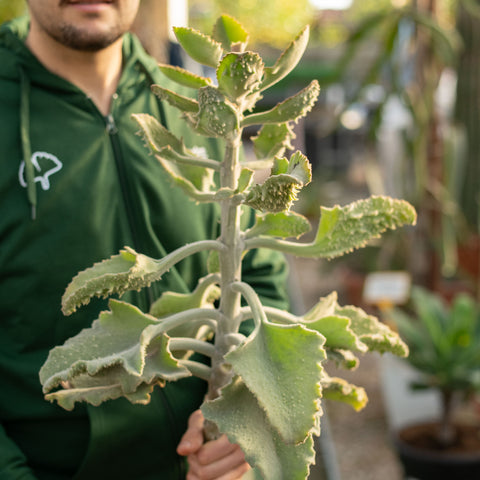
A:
(215, 460)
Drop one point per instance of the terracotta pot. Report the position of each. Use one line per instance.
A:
(423, 458)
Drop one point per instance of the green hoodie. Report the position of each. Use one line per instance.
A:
(75, 188)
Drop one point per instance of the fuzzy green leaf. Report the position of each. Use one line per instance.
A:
(339, 390)
(196, 182)
(276, 194)
(323, 318)
(230, 33)
(238, 415)
(291, 109)
(216, 117)
(95, 395)
(184, 77)
(288, 60)
(239, 74)
(168, 146)
(202, 48)
(336, 329)
(128, 270)
(184, 104)
(272, 140)
(156, 135)
(375, 335)
(203, 296)
(244, 180)
(298, 166)
(112, 358)
(350, 328)
(343, 358)
(286, 385)
(279, 191)
(282, 224)
(343, 229)
(324, 307)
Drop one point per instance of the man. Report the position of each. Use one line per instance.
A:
(76, 185)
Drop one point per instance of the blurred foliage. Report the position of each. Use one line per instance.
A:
(285, 18)
(467, 113)
(271, 22)
(10, 9)
(331, 28)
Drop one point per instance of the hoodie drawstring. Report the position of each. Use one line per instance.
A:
(25, 140)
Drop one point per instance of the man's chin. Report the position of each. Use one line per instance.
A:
(87, 39)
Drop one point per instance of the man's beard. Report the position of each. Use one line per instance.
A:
(76, 39)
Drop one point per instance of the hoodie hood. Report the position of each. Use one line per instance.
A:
(19, 65)
(15, 56)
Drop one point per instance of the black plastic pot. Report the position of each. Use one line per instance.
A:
(425, 464)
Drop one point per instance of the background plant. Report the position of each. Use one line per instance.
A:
(265, 389)
(443, 342)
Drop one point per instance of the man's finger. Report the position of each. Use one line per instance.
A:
(192, 439)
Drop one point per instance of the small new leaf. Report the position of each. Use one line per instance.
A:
(289, 110)
(276, 194)
(202, 48)
(272, 141)
(230, 33)
(244, 180)
(184, 77)
(279, 191)
(282, 224)
(239, 74)
(216, 116)
(298, 167)
(156, 135)
(184, 104)
(337, 389)
(287, 61)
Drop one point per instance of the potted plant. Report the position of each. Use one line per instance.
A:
(444, 343)
(265, 388)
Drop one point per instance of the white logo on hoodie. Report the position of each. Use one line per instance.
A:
(45, 165)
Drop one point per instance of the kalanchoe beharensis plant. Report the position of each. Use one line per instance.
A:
(265, 390)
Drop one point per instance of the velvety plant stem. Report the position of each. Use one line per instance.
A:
(230, 270)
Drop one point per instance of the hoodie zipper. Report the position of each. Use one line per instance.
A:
(122, 175)
(112, 131)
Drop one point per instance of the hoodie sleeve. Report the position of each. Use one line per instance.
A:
(13, 464)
